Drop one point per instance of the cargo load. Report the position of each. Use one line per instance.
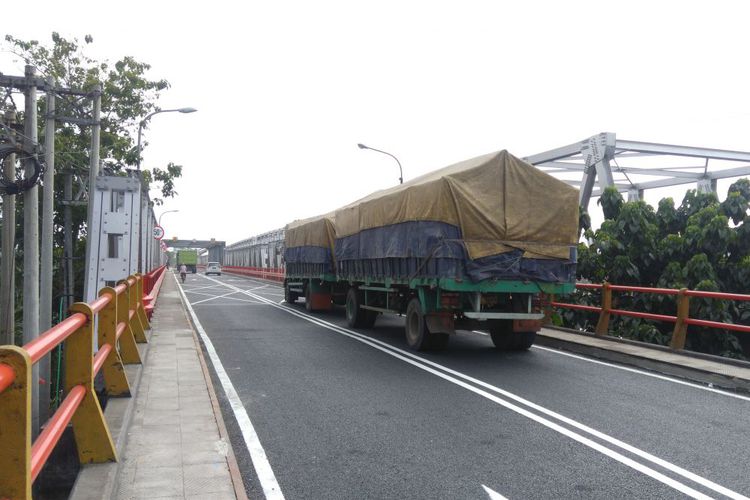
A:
(491, 217)
(478, 244)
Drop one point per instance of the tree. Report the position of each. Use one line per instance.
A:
(128, 94)
(693, 246)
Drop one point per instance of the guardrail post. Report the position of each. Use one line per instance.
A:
(15, 426)
(92, 436)
(602, 327)
(140, 311)
(680, 327)
(115, 378)
(124, 307)
(128, 336)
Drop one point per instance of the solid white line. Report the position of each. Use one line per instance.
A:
(635, 370)
(258, 456)
(423, 364)
(648, 374)
(494, 495)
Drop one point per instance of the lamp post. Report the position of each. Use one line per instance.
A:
(146, 118)
(162, 215)
(400, 170)
(138, 166)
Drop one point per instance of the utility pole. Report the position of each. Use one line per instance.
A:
(31, 243)
(89, 295)
(8, 264)
(48, 202)
(68, 240)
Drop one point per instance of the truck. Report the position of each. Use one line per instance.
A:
(189, 258)
(476, 245)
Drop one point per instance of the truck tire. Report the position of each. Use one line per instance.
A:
(356, 317)
(506, 339)
(308, 299)
(289, 296)
(418, 336)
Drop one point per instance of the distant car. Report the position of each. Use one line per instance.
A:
(213, 268)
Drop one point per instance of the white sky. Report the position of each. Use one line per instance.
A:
(285, 90)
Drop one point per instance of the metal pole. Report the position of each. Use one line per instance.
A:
(48, 202)
(89, 295)
(68, 240)
(8, 264)
(400, 170)
(31, 245)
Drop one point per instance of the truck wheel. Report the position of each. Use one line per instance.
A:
(418, 336)
(506, 339)
(289, 296)
(356, 317)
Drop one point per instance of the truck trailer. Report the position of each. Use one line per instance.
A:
(475, 245)
(189, 258)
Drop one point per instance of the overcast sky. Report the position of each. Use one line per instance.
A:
(286, 90)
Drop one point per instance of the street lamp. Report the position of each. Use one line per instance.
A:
(162, 215)
(138, 166)
(400, 170)
(145, 119)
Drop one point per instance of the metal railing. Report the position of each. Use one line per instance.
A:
(122, 322)
(681, 320)
(272, 274)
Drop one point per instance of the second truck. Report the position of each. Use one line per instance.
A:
(476, 245)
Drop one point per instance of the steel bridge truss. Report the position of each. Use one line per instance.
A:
(632, 167)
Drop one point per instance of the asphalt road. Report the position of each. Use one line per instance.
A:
(344, 413)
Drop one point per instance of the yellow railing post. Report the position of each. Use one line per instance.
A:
(680, 327)
(139, 303)
(115, 378)
(15, 426)
(92, 436)
(123, 312)
(602, 327)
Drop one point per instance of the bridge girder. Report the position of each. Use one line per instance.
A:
(597, 159)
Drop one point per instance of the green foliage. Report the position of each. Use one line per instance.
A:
(611, 202)
(702, 245)
(128, 93)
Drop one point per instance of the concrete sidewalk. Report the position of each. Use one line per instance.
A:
(174, 443)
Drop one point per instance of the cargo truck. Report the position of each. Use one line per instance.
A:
(476, 245)
(189, 258)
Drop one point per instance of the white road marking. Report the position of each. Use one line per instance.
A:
(635, 370)
(192, 289)
(648, 374)
(244, 303)
(427, 366)
(214, 296)
(258, 456)
(226, 295)
(494, 495)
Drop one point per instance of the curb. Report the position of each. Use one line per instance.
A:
(683, 371)
(99, 481)
(234, 470)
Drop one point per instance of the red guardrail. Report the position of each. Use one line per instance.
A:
(122, 322)
(272, 274)
(681, 320)
(154, 279)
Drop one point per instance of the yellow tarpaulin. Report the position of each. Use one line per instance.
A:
(499, 202)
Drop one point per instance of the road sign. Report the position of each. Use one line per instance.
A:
(158, 232)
